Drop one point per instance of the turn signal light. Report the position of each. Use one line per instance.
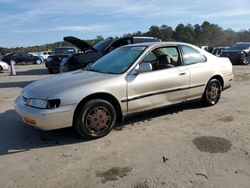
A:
(30, 121)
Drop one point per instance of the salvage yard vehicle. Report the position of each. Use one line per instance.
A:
(52, 63)
(3, 66)
(238, 53)
(217, 51)
(90, 54)
(130, 79)
(22, 57)
(44, 54)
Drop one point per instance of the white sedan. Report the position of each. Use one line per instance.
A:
(3, 66)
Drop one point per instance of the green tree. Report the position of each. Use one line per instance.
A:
(154, 31)
(184, 33)
(165, 33)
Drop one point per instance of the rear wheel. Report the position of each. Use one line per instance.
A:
(96, 119)
(212, 93)
(1, 69)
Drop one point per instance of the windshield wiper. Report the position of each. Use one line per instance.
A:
(94, 70)
(88, 67)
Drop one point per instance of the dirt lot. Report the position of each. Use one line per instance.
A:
(182, 146)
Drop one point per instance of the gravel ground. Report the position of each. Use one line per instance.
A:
(183, 146)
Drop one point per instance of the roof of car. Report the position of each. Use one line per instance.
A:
(148, 44)
(243, 43)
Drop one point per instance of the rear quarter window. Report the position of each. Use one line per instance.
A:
(192, 56)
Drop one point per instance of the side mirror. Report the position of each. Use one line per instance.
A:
(145, 67)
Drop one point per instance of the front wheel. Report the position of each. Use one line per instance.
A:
(245, 60)
(38, 61)
(51, 71)
(212, 93)
(96, 119)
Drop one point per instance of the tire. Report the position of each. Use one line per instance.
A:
(38, 61)
(1, 69)
(212, 93)
(96, 119)
(50, 71)
(245, 60)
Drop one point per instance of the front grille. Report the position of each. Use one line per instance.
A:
(24, 98)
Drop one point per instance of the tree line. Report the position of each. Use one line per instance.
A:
(206, 34)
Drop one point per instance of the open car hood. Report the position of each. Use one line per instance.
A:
(81, 44)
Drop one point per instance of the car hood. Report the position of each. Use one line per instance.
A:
(81, 44)
(50, 86)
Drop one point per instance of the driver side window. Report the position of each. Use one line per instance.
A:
(163, 58)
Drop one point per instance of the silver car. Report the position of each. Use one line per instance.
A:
(130, 79)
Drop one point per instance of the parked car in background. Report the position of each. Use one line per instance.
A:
(238, 53)
(217, 51)
(1, 56)
(130, 79)
(90, 54)
(22, 57)
(44, 54)
(53, 61)
(3, 66)
(207, 48)
(204, 48)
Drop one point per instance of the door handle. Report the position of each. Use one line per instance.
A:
(183, 73)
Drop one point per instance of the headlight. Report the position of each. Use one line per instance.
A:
(44, 104)
(37, 103)
(6, 66)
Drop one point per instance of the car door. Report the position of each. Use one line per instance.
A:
(161, 86)
(23, 57)
(10, 57)
(200, 71)
(18, 57)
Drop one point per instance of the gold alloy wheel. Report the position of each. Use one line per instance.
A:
(213, 92)
(98, 120)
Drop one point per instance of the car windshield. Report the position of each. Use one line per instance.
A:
(117, 61)
(239, 47)
(63, 51)
(101, 46)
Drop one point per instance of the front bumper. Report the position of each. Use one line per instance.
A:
(5, 68)
(228, 80)
(45, 119)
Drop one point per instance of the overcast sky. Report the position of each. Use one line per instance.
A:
(33, 22)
